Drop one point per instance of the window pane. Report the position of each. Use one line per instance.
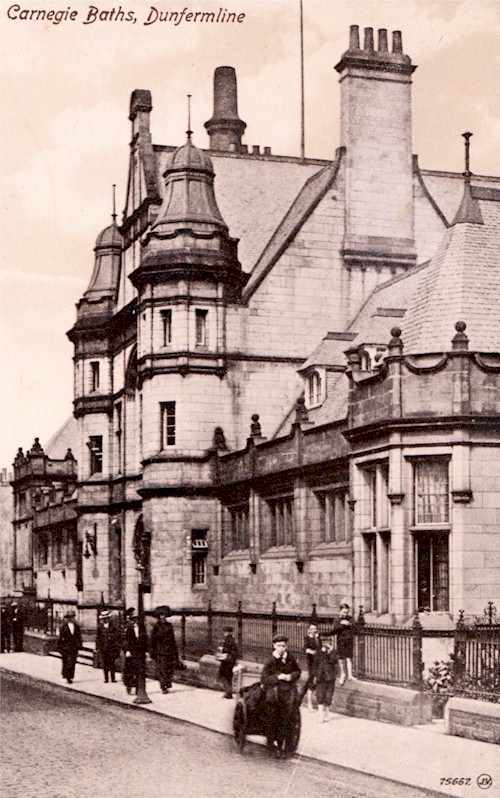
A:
(95, 448)
(168, 424)
(167, 327)
(201, 327)
(431, 493)
(94, 367)
(432, 572)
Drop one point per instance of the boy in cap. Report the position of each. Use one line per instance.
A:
(228, 650)
(70, 642)
(107, 644)
(279, 679)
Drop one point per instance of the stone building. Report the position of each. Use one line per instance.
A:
(46, 552)
(6, 533)
(287, 370)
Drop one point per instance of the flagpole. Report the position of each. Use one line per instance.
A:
(302, 111)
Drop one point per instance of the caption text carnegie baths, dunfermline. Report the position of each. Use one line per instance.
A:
(147, 16)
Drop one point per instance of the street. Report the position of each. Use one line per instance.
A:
(61, 745)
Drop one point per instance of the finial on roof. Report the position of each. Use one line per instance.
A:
(469, 210)
(460, 340)
(189, 132)
(113, 215)
(396, 344)
(255, 428)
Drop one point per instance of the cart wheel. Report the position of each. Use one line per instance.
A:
(239, 726)
(293, 732)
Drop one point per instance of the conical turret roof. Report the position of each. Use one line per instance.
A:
(189, 194)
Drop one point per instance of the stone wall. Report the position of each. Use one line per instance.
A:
(475, 720)
(383, 702)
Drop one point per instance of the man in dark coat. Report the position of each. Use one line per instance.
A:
(70, 642)
(135, 646)
(6, 622)
(163, 648)
(17, 626)
(279, 679)
(107, 645)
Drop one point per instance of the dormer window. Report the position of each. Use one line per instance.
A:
(366, 361)
(315, 389)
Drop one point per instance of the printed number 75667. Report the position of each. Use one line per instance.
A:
(459, 781)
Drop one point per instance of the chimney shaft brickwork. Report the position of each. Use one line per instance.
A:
(376, 132)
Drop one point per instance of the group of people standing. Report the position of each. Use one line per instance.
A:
(323, 660)
(112, 640)
(12, 627)
(135, 645)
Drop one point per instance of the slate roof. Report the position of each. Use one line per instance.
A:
(65, 438)
(461, 283)
(446, 189)
(253, 194)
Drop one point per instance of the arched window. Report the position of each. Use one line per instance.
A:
(131, 375)
(314, 386)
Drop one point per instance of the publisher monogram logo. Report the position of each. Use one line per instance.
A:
(484, 781)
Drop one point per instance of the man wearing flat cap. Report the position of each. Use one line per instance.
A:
(70, 642)
(163, 648)
(279, 679)
(107, 644)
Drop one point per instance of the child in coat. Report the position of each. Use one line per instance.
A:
(345, 642)
(228, 650)
(325, 671)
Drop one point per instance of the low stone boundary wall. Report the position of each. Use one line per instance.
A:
(39, 643)
(383, 702)
(475, 720)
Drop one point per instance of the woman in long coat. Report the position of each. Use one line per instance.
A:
(70, 642)
(163, 648)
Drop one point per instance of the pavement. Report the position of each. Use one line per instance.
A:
(419, 756)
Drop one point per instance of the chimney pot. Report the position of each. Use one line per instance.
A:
(255, 149)
(267, 150)
(397, 42)
(225, 93)
(382, 40)
(369, 39)
(225, 127)
(354, 37)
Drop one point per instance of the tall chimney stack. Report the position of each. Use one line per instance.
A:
(225, 128)
(376, 133)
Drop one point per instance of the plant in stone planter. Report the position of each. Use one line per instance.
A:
(439, 682)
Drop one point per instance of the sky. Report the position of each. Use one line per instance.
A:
(65, 135)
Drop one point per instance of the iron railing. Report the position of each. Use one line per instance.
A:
(389, 654)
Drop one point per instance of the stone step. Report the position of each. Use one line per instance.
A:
(85, 656)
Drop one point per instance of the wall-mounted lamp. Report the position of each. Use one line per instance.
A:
(90, 543)
(253, 567)
(300, 566)
(63, 571)
(216, 569)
